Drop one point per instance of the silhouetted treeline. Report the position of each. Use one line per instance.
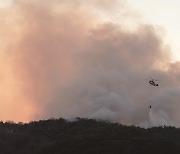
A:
(86, 136)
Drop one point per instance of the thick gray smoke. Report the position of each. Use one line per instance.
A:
(69, 63)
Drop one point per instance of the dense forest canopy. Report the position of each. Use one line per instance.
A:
(56, 136)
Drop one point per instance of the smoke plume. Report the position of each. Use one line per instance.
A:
(62, 58)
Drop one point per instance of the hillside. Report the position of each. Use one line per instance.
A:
(85, 136)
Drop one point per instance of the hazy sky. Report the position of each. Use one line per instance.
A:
(69, 58)
(163, 13)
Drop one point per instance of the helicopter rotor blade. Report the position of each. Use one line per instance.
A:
(154, 79)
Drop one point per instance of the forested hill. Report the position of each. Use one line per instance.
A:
(85, 136)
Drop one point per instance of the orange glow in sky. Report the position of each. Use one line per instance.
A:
(68, 58)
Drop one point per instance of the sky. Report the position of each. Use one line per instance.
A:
(66, 58)
(162, 13)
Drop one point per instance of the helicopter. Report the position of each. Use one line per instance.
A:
(152, 82)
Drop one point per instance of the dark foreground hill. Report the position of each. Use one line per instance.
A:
(86, 136)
